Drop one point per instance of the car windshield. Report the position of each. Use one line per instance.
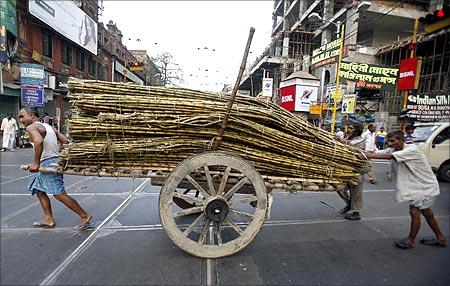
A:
(423, 132)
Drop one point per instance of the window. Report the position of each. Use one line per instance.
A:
(66, 53)
(92, 66)
(47, 44)
(81, 60)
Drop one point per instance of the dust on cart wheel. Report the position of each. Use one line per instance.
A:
(226, 213)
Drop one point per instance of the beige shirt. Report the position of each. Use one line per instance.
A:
(9, 126)
(415, 179)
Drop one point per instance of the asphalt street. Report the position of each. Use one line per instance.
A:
(305, 242)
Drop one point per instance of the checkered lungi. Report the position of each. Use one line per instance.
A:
(52, 184)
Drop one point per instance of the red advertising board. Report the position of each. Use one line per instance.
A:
(409, 73)
(287, 97)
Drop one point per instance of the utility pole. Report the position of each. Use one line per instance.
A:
(337, 95)
(405, 92)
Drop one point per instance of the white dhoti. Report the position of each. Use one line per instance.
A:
(8, 140)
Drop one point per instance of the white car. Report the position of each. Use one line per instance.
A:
(433, 139)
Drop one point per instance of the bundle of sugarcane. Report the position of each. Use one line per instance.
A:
(116, 125)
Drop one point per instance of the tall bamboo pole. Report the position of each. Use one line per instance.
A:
(218, 138)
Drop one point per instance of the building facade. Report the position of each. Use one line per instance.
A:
(66, 38)
(304, 34)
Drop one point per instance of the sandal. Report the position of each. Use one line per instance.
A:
(84, 226)
(43, 225)
(403, 244)
(432, 242)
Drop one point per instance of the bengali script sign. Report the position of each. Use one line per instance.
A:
(429, 107)
(326, 54)
(369, 75)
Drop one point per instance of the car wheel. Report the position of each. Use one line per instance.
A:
(444, 173)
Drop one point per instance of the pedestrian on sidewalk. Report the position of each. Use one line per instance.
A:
(8, 129)
(356, 192)
(46, 149)
(369, 137)
(416, 183)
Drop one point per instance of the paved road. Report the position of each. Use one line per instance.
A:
(306, 241)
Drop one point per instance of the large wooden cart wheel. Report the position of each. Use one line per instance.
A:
(227, 214)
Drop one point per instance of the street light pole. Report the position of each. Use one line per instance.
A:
(337, 95)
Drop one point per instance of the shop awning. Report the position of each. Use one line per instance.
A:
(11, 89)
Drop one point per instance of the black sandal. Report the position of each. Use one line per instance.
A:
(432, 242)
(404, 244)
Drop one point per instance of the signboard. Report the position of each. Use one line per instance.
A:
(304, 96)
(267, 87)
(429, 107)
(32, 96)
(409, 74)
(130, 75)
(32, 75)
(287, 97)
(369, 76)
(68, 20)
(8, 15)
(326, 54)
(348, 104)
(32, 84)
(316, 109)
(3, 51)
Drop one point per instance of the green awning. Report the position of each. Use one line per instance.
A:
(11, 91)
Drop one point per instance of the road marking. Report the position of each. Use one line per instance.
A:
(381, 161)
(9, 165)
(148, 227)
(50, 279)
(19, 211)
(17, 179)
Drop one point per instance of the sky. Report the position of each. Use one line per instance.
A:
(206, 38)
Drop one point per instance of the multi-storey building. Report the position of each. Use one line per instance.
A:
(66, 38)
(301, 27)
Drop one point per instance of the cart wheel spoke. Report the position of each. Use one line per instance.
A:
(191, 227)
(243, 200)
(205, 229)
(188, 211)
(197, 186)
(212, 190)
(235, 188)
(204, 225)
(224, 181)
(189, 199)
(242, 214)
(233, 225)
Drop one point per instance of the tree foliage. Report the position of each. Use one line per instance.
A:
(169, 71)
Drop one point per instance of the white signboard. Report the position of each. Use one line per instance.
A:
(267, 87)
(130, 75)
(67, 19)
(348, 104)
(304, 96)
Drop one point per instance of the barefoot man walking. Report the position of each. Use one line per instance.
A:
(46, 149)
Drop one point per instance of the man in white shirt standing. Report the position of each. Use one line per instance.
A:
(369, 136)
(9, 128)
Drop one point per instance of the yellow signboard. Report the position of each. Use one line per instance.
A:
(316, 109)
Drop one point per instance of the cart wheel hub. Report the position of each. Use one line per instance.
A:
(217, 209)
